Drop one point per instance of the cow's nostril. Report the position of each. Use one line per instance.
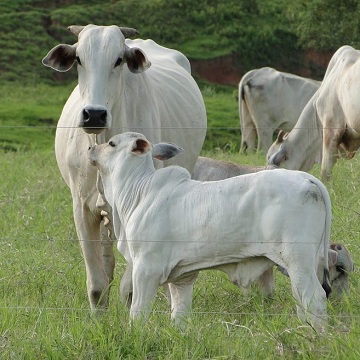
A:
(86, 115)
(103, 117)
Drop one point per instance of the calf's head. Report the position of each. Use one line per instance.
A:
(128, 151)
(100, 54)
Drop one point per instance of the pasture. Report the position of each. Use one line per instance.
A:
(44, 310)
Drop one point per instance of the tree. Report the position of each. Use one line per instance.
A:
(326, 24)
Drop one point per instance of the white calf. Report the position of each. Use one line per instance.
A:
(176, 226)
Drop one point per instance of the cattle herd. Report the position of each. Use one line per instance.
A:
(128, 144)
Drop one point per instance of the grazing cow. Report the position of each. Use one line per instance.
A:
(339, 274)
(340, 266)
(340, 261)
(176, 226)
(207, 169)
(270, 100)
(329, 125)
(118, 90)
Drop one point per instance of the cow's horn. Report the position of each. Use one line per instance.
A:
(127, 32)
(76, 29)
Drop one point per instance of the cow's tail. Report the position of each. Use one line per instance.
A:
(326, 235)
(247, 126)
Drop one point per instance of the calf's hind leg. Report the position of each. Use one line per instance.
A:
(311, 297)
(181, 298)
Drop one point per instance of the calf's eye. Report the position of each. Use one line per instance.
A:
(78, 60)
(111, 143)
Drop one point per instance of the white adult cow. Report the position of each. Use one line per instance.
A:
(176, 226)
(270, 100)
(329, 125)
(118, 90)
(339, 258)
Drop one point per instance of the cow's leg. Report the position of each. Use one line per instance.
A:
(267, 282)
(88, 231)
(248, 134)
(331, 141)
(126, 286)
(264, 138)
(310, 296)
(181, 298)
(108, 251)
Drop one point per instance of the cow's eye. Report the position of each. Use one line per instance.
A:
(78, 60)
(118, 62)
(111, 143)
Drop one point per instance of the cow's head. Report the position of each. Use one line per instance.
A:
(284, 153)
(100, 54)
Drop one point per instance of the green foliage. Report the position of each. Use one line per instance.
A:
(326, 24)
(204, 29)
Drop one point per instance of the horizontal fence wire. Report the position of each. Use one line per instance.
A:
(125, 312)
(173, 128)
(14, 240)
(167, 312)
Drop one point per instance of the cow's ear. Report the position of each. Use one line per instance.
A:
(61, 57)
(333, 257)
(165, 151)
(136, 60)
(141, 147)
(281, 136)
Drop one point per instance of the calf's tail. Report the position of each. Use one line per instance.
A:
(326, 282)
(326, 235)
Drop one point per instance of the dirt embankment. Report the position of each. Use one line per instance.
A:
(222, 70)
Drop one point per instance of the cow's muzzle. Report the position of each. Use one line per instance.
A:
(93, 119)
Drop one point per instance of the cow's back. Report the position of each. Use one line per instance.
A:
(207, 169)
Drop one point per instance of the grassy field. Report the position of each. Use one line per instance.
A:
(44, 310)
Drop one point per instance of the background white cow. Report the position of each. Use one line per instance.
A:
(176, 226)
(329, 125)
(270, 100)
(123, 85)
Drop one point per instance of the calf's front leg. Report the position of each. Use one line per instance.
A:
(146, 281)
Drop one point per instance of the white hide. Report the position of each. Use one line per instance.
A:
(176, 226)
(270, 100)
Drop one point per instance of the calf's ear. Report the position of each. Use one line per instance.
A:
(165, 151)
(141, 147)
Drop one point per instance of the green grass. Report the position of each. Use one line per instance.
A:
(44, 310)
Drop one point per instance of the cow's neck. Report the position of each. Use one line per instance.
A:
(306, 137)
